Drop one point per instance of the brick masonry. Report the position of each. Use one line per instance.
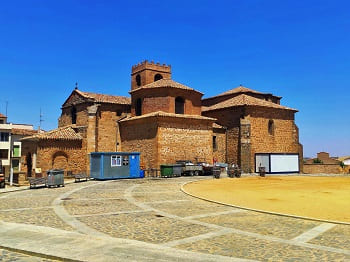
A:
(165, 139)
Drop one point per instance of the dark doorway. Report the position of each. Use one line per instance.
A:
(29, 164)
(138, 107)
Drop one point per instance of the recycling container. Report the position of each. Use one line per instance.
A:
(55, 177)
(166, 170)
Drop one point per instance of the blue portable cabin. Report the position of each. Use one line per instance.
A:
(115, 165)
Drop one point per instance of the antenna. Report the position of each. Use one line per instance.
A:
(6, 108)
(40, 119)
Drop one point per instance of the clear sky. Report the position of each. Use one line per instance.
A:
(295, 49)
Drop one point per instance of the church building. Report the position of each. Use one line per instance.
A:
(167, 121)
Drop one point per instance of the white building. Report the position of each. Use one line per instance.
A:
(10, 145)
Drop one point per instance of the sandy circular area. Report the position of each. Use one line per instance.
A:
(326, 198)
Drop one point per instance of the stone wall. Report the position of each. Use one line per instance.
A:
(68, 155)
(219, 153)
(147, 71)
(184, 139)
(163, 99)
(322, 169)
(284, 138)
(140, 136)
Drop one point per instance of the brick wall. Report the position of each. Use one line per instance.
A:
(147, 71)
(220, 152)
(140, 136)
(182, 138)
(285, 137)
(67, 155)
(322, 169)
(163, 99)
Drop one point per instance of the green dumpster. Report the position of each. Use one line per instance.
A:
(166, 170)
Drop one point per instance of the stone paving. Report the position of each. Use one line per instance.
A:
(156, 211)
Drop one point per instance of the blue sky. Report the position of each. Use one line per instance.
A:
(295, 49)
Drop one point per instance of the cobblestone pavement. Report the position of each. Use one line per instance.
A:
(156, 211)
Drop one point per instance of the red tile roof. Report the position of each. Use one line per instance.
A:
(165, 83)
(61, 133)
(243, 100)
(240, 89)
(163, 114)
(1, 115)
(101, 98)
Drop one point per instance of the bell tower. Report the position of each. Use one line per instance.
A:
(148, 72)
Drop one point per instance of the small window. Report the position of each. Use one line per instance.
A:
(125, 160)
(116, 160)
(4, 136)
(4, 154)
(158, 77)
(138, 80)
(179, 105)
(215, 145)
(271, 127)
(15, 152)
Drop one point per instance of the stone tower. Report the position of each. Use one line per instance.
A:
(148, 72)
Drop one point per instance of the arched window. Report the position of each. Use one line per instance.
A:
(271, 127)
(138, 80)
(179, 105)
(138, 107)
(74, 115)
(158, 77)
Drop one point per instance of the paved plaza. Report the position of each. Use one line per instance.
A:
(153, 220)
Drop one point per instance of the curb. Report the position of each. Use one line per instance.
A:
(262, 211)
(36, 254)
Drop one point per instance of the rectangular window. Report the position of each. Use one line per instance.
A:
(125, 160)
(4, 154)
(4, 136)
(215, 145)
(15, 152)
(116, 160)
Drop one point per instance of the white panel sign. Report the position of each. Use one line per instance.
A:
(262, 161)
(284, 163)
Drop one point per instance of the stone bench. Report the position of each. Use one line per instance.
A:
(37, 181)
(81, 176)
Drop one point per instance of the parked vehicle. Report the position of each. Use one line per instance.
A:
(190, 169)
(2, 177)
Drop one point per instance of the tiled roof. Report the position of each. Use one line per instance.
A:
(122, 100)
(240, 89)
(23, 132)
(216, 125)
(61, 133)
(242, 100)
(1, 115)
(163, 114)
(165, 83)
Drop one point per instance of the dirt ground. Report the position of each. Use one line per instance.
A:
(325, 198)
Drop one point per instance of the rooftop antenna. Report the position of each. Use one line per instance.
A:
(40, 119)
(6, 108)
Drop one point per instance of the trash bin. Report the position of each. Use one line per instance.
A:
(177, 169)
(231, 172)
(166, 170)
(216, 171)
(55, 177)
(262, 171)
